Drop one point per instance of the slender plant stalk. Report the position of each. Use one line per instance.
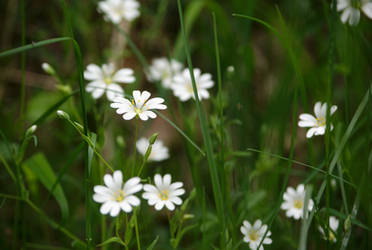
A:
(137, 232)
(206, 136)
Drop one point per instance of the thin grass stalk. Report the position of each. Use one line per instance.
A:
(206, 136)
(329, 100)
(304, 229)
(80, 69)
(23, 59)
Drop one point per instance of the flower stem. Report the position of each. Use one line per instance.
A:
(134, 148)
(136, 228)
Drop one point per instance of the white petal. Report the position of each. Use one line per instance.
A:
(114, 90)
(100, 198)
(317, 109)
(109, 182)
(129, 115)
(345, 15)
(167, 180)
(106, 207)
(124, 76)
(311, 132)
(115, 210)
(178, 192)
(143, 116)
(125, 206)
(133, 200)
(367, 9)
(175, 185)
(150, 188)
(176, 200)
(159, 205)
(158, 180)
(354, 17)
(169, 205)
(257, 225)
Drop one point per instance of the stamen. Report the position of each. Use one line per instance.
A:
(298, 204)
(164, 195)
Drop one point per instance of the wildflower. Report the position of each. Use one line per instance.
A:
(254, 234)
(351, 10)
(333, 224)
(318, 123)
(115, 196)
(105, 79)
(158, 151)
(182, 87)
(163, 193)
(294, 201)
(164, 70)
(118, 10)
(140, 105)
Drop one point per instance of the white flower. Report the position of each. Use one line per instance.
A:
(253, 234)
(163, 70)
(158, 151)
(105, 79)
(117, 10)
(115, 195)
(333, 224)
(182, 87)
(163, 193)
(318, 123)
(351, 10)
(140, 105)
(294, 202)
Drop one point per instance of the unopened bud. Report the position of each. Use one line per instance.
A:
(188, 216)
(63, 114)
(31, 130)
(120, 141)
(47, 68)
(153, 138)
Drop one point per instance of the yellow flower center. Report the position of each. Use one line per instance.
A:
(164, 195)
(332, 236)
(120, 196)
(107, 80)
(321, 121)
(298, 204)
(253, 235)
(136, 109)
(189, 88)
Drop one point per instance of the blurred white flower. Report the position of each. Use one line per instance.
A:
(231, 69)
(318, 123)
(254, 234)
(158, 151)
(163, 70)
(333, 224)
(294, 201)
(351, 10)
(118, 10)
(182, 87)
(163, 193)
(115, 196)
(105, 79)
(140, 106)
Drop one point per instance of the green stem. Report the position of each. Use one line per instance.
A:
(136, 229)
(206, 136)
(135, 147)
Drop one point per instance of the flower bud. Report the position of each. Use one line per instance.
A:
(47, 68)
(153, 138)
(63, 114)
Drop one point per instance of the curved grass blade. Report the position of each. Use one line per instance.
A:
(33, 45)
(180, 131)
(206, 136)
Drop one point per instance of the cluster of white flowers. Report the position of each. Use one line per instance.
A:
(116, 195)
(173, 76)
(351, 10)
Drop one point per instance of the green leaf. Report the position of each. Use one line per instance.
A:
(112, 240)
(40, 166)
(152, 245)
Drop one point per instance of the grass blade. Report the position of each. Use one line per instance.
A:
(206, 136)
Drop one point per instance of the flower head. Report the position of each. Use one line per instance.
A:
(140, 106)
(105, 79)
(294, 201)
(182, 87)
(318, 123)
(118, 10)
(163, 193)
(333, 226)
(254, 234)
(158, 151)
(115, 196)
(351, 10)
(164, 70)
